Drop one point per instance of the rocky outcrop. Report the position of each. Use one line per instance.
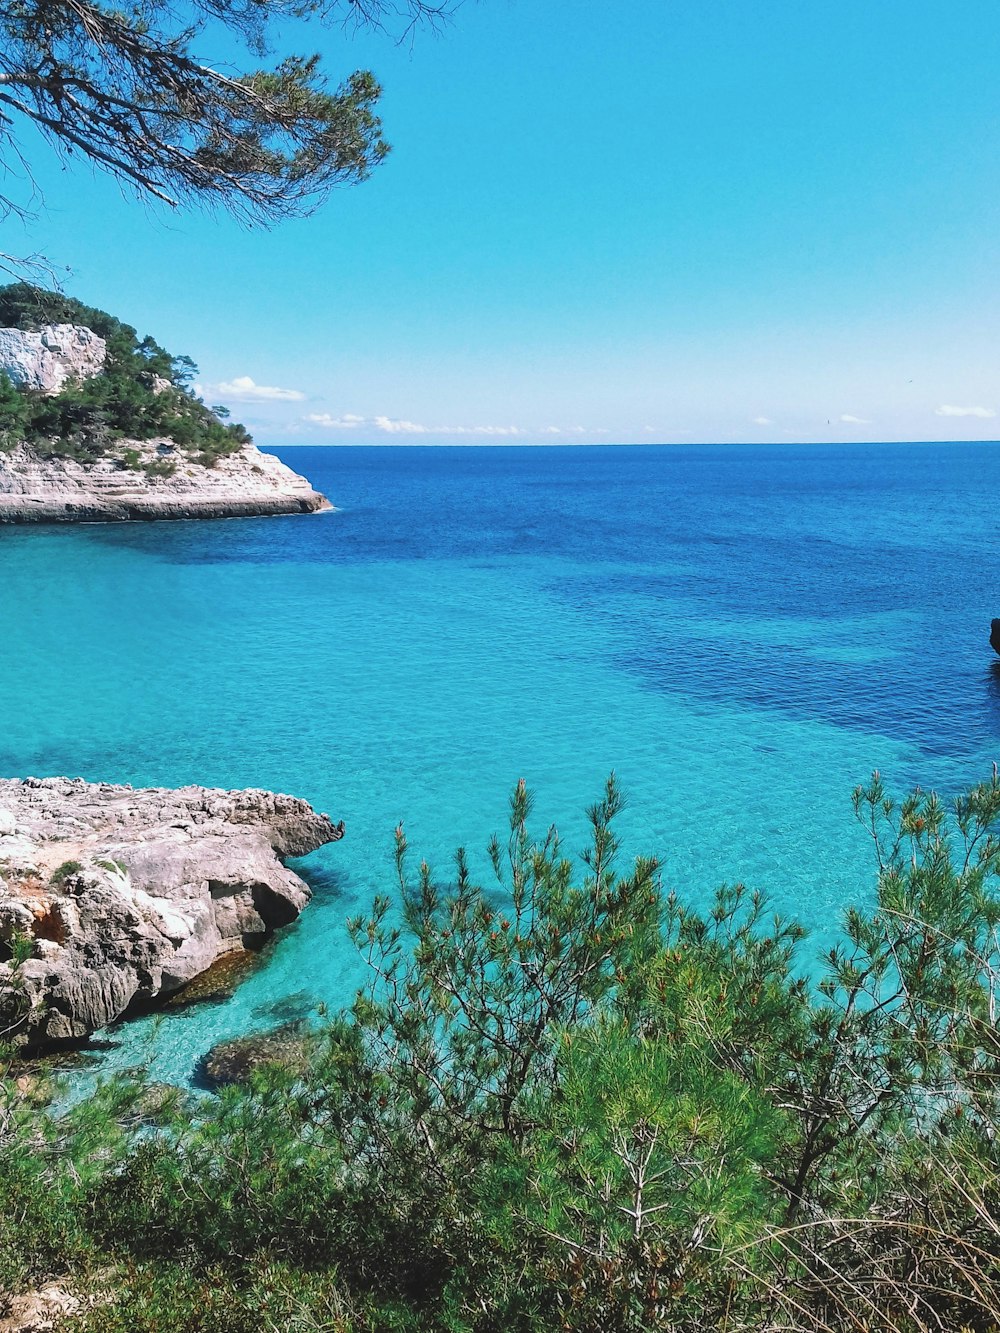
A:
(128, 894)
(150, 479)
(995, 635)
(49, 358)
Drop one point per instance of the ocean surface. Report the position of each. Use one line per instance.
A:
(741, 632)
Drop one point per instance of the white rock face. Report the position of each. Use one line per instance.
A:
(131, 893)
(60, 490)
(49, 358)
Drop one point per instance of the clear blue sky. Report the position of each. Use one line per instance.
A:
(657, 221)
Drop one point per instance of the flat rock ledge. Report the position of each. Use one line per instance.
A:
(131, 485)
(127, 894)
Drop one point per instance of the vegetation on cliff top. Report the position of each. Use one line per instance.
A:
(572, 1103)
(143, 393)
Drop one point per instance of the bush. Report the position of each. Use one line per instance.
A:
(62, 873)
(569, 1102)
(160, 467)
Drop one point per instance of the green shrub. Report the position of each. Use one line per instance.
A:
(160, 467)
(567, 1101)
(63, 872)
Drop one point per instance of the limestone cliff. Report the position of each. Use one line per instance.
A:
(128, 894)
(151, 479)
(47, 359)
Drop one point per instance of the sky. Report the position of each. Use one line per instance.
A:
(666, 221)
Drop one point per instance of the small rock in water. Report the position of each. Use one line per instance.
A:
(288, 1008)
(234, 1061)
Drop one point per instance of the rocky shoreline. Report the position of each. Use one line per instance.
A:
(127, 894)
(158, 481)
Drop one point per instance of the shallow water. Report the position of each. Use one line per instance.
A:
(743, 633)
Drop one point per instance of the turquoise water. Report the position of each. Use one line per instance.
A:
(742, 633)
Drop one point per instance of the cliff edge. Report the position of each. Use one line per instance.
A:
(149, 479)
(121, 895)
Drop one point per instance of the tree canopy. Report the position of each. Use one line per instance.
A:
(125, 88)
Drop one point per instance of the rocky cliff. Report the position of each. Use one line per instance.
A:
(128, 894)
(47, 359)
(149, 480)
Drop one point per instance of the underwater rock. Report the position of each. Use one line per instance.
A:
(219, 981)
(234, 1061)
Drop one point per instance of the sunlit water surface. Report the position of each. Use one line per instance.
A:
(741, 633)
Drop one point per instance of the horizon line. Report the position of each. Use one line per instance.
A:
(602, 444)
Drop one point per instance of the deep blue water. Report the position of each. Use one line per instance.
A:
(743, 633)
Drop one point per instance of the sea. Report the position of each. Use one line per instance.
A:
(741, 633)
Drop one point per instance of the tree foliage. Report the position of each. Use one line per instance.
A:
(125, 88)
(565, 1101)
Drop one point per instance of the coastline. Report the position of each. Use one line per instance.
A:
(161, 483)
(125, 895)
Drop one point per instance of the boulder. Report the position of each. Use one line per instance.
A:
(38, 1311)
(129, 894)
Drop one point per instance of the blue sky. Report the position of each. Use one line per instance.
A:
(672, 220)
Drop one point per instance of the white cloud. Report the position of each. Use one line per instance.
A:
(549, 430)
(854, 421)
(243, 389)
(947, 410)
(763, 421)
(400, 426)
(474, 430)
(347, 422)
